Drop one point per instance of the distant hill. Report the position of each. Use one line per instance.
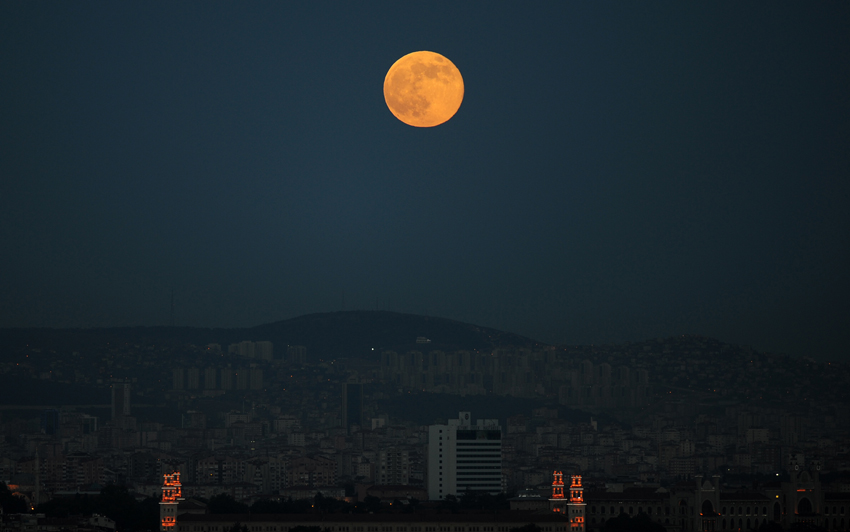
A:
(341, 333)
(333, 334)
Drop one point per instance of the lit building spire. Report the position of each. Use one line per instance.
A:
(172, 494)
(576, 504)
(558, 485)
(558, 503)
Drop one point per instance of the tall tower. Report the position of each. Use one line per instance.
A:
(576, 504)
(558, 503)
(120, 400)
(352, 405)
(172, 494)
(464, 457)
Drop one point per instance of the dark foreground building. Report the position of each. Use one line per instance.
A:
(702, 506)
(424, 522)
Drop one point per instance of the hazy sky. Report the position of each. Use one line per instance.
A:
(617, 171)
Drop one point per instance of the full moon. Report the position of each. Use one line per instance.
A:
(423, 89)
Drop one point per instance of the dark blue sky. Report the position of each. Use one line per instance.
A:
(617, 171)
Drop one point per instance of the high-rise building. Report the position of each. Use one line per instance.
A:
(193, 420)
(210, 378)
(264, 350)
(393, 467)
(193, 378)
(296, 354)
(352, 405)
(88, 424)
(243, 378)
(178, 379)
(464, 456)
(50, 421)
(255, 378)
(227, 379)
(245, 348)
(120, 399)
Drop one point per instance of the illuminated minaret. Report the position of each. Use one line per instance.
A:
(172, 494)
(576, 505)
(558, 503)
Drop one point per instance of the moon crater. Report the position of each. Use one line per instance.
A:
(423, 89)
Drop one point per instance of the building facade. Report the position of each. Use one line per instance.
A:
(120, 399)
(464, 457)
(393, 467)
(702, 506)
(352, 405)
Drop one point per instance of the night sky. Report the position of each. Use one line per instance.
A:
(616, 172)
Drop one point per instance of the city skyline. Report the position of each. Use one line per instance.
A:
(467, 426)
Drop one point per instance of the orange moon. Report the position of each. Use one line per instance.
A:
(423, 89)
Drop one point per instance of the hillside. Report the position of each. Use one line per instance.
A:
(353, 333)
(334, 334)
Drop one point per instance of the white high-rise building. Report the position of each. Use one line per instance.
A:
(464, 456)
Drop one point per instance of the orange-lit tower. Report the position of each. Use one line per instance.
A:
(172, 494)
(557, 503)
(576, 505)
(558, 485)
